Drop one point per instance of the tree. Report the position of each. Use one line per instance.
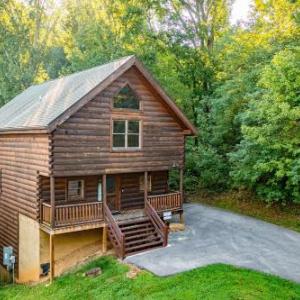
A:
(27, 33)
(268, 157)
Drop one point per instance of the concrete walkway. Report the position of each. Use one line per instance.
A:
(216, 236)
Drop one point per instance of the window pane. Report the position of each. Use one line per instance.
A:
(133, 140)
(119, 140)
(119, 127)
(133, 126)
(126, 99)
(75, 188)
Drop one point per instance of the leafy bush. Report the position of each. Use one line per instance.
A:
(268, 157)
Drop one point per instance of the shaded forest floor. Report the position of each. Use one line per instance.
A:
(211, 282)
(245, 203)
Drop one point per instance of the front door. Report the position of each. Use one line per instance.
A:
(113, 192)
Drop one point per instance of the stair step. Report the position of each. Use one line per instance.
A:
(143, 246)
(132, 227)
(139, 231)
(137, 236)
(133, 221)
(143, 241)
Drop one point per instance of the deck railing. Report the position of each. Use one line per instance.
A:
(158, 223)
(170, 201)
(115, 233)
(72, 214)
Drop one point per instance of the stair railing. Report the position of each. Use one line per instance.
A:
(158, 223)
(117, 237)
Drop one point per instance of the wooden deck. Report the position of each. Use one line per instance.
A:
(70, 214)
(166, 202)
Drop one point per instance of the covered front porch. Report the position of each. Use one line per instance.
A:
(74, 202)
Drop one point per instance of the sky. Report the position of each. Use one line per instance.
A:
(240, 10)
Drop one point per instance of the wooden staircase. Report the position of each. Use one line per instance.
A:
(136, 235)
(140, 235)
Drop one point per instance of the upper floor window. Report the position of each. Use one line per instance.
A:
(127, 99)
(126, 134)
(75, 189)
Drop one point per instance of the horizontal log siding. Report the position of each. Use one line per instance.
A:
(132, 197)
(82, 144)
(21, 157)
(90, 188)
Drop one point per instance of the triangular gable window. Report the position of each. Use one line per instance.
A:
(127, 99)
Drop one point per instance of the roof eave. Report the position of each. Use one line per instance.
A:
(191, 129)
(27, 130)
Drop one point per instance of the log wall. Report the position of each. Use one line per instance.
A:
(82, 144)
(90, 188)
(130, 197)
(21, 158)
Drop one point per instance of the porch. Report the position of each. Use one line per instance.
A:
(78, 201)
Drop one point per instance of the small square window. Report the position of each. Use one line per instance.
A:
(75, 189)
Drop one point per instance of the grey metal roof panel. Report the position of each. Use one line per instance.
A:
(39, 105)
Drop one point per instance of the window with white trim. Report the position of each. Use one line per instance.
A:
(126, 134)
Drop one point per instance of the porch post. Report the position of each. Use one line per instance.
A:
(181, 182)
(145, 186)
(181, 195)
(104, 239)
(52, 200)
(51, 250)
(104, 188)
(104, 230)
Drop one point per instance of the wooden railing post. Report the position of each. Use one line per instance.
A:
(181, 184)
(116, 235)
(158, 223)
(52, 200)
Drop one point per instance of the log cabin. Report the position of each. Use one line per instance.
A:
(85, 159)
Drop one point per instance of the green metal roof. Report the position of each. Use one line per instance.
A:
(39, 105)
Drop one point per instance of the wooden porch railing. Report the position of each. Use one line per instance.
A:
(171, 201)
(115, 233)
(158, 223)
(72, 214)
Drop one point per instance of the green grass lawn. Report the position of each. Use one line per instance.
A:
(215, 282)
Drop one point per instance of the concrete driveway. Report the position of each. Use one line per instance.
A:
(216, 236)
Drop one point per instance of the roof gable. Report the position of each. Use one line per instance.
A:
(47, 105)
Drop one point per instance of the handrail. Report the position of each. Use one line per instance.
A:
(72, 214)
(160, 195)
(169, 201)
(117, 235)
(76, 204)
(158, 223)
